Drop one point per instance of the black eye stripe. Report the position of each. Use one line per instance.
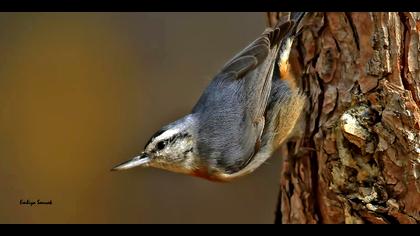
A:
(159, 132)
(178, 136)
(161, 145)
(171, 139)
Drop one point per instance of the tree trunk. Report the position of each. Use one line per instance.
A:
(355, 155)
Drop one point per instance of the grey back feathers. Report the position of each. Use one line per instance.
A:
(231, 110)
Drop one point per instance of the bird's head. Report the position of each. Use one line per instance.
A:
(171, 148)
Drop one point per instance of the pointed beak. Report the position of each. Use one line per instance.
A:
(141, 160)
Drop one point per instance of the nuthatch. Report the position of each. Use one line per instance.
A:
(245, 113)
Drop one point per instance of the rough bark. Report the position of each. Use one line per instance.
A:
(355, 155)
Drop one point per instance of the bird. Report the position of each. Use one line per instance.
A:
(246, 112)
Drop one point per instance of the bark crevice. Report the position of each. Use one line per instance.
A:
(354, 30)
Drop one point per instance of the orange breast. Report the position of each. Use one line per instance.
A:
(203, 173)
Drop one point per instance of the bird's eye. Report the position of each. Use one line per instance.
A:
(160, 145)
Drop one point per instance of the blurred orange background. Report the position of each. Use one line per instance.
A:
(82, 92)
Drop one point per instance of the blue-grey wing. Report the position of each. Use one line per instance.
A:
(231, 109)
